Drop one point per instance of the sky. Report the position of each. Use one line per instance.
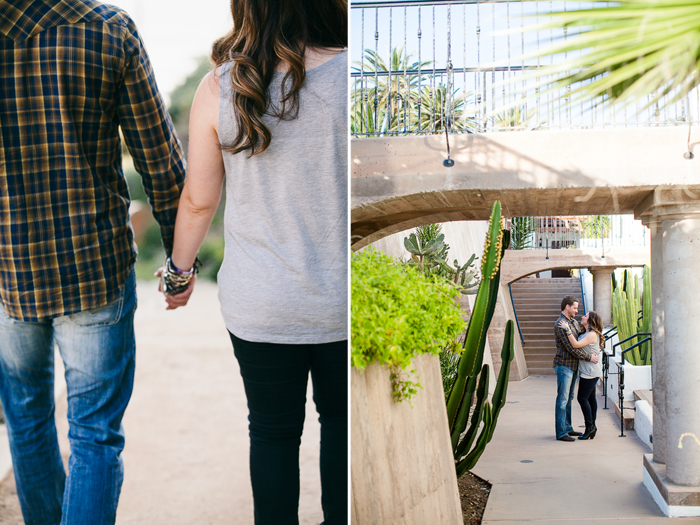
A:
(176, 33)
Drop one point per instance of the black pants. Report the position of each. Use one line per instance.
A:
(275, 377)
(586, 398)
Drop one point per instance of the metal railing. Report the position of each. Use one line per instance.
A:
(581, 231)
(424, 67)
(621, 373)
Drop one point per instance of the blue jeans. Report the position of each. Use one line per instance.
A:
(275, 377)
(566, 384)
(98, 350)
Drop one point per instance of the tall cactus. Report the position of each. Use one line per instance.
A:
(472, 376)
(645, 325)
(627, 301)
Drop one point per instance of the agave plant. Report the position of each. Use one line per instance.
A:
(633, 50)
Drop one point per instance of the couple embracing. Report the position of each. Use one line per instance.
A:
(579, 346)
(269, 122)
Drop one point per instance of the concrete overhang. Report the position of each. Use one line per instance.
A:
(517, 264)
(400, 182)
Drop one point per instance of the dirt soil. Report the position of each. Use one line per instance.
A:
(474, 494)
(10, 513)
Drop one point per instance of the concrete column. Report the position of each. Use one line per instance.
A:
(681, 285)
(658, 359)
(602, 292)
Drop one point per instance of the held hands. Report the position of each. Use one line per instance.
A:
(175, 301)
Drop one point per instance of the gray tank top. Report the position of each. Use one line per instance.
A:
(284, 278)
(586, 369)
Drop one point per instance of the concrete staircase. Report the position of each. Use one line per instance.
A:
(537, 304)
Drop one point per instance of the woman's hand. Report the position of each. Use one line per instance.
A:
(175, 301)
(565, 326)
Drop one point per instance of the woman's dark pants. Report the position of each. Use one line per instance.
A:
(586, 398)
(275, 378)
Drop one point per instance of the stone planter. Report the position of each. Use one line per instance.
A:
(402, 469)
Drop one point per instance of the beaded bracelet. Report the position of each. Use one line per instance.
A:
(176, 281)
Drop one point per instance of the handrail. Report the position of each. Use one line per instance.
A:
(637, 344)
(630, 337)
(621, 378)
(583, 294)
(611, 329)
(621, 396)
(522, 339)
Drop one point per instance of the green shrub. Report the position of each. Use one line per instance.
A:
(397, 314)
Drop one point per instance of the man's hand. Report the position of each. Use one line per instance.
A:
(594, 358)
(175, 301)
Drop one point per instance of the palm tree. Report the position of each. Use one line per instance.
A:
(633, 51)
(388, 95)
(404, 102)
(521, 230)
(517, 118)
(439, 111)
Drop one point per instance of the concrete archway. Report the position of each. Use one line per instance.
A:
(399, 183)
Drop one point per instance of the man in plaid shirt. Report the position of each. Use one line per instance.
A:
(72, 74)
(566, 367)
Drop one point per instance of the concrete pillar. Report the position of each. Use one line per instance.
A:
(681, 284)
(658, 360)
(672, 474)
(602, 292)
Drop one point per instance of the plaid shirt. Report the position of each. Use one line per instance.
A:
(567, 355)
(72, 72)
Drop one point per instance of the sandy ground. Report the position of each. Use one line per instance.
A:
(186, 455)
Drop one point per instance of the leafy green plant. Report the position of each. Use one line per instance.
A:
(466, 412)
(398, 313)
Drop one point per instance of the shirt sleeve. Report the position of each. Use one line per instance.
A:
(564, 339)
(150, 136)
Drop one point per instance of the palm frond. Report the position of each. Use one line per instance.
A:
(636, 50)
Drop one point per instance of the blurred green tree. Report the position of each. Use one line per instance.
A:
(151, 253)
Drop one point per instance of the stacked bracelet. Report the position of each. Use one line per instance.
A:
(176, 281)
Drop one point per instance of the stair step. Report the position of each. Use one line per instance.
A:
(540, 371)
(537, 304)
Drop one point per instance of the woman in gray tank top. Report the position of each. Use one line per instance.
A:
(271, 121)
(591, 342)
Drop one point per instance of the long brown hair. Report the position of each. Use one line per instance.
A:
(595, 323)
(265, 33)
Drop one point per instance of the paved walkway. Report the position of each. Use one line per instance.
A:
(186, 455)
(537, 479)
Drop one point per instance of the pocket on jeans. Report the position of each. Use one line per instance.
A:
(103, 316)
(110, 314)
